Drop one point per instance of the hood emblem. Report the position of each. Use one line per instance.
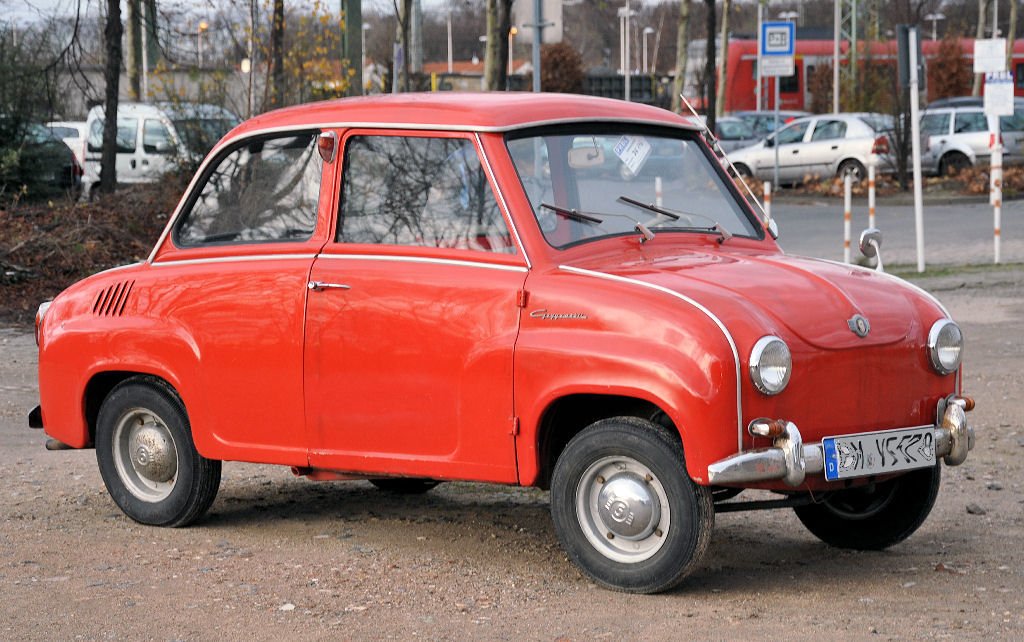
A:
(859, 325)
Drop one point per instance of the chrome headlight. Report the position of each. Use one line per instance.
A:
(40, 313)
(770, 365)
(945, 346)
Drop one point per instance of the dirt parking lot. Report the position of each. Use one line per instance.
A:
(280, 556)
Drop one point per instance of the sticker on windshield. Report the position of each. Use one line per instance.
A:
(633, 152)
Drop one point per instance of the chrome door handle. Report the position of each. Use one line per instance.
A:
(319, 286)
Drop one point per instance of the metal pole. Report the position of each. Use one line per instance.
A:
(450, 65)
(538, 19)
(645, 50)
(758, 90)
(252, 58)
(775, 175)
(767, 201)
(145, 53)
(915, 142)
(628, 68)
(837, 18)
(847, 215)
(997, 198)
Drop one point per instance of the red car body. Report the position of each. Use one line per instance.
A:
(349, 359)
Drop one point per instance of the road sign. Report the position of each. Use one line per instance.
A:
(999, 94)
(778, 40)
(989, 55)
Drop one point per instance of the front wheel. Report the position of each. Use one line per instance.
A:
(875, 516)
(146, 456)
(624, 508)
(852, 168)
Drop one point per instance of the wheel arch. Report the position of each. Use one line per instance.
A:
(100, 386)
(570, 414)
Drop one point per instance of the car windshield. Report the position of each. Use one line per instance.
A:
(597, 173)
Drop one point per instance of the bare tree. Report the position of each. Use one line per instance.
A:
(682, 48)
(709, 66)
(112, 76)
(277, 54)
(133, 55)
(499, 22)
(403, 12)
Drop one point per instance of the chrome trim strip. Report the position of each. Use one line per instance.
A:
(234, 259)
(422, 259)
(707, 312)
(501, 198)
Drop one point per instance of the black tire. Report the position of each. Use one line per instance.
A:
(743, 171)
(659, 533)
(147, 458)
(405, 485)
(854, 168)
(953, 163)
(876, 516)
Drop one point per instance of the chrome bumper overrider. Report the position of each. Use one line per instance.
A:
(791, 460)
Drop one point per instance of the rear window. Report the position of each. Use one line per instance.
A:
(878, 122)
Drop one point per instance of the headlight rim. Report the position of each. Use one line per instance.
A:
(754, 365)
(933, 346)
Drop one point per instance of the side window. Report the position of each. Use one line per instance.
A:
(828, 130)
(935, 124)
(422, 191)
(127, 132)
(972, 121)
(792, 134)
(155, 137)
(266, 190)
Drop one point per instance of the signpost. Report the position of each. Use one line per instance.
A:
(778, 43)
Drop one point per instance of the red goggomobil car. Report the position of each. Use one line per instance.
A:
(417, 288)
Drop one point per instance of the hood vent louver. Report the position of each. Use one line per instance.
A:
(112, 300)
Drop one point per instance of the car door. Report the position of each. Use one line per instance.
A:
(412, 315)
(823, 150)
(157, 153)
(935, 132)
(792, 163)
(126, 163)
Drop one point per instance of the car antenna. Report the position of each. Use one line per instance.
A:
(707, 132)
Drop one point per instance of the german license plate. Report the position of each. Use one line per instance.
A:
(876, 453)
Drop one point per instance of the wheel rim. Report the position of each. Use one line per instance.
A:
(623, 509)
(859, 504)
(145, 455)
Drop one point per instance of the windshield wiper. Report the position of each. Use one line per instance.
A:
(723, 234)
(572, 214)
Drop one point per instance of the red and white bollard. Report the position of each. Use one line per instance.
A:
(997, 197)
(872, 161)
(847, 215)
(767, 200)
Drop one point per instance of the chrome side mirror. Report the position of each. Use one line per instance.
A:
(871, 245)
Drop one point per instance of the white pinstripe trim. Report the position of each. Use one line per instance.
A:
(235, 259)
(708, 313)
(422, 259)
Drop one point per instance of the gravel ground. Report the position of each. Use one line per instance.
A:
(281, 556)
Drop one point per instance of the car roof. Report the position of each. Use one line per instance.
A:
(494, 111)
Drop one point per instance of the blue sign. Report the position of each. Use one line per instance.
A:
(778, 38)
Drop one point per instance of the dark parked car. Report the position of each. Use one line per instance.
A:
(40, 163)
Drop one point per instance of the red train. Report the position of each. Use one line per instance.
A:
(795, 92)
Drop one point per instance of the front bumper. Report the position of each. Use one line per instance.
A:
(790, 460)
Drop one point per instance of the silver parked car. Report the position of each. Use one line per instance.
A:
(820, 146)
(956, 136)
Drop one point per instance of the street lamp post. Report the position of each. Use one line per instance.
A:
(647, 31)
(511, 49)
(935, 17)
(450, 65)
(625, 13)
(362, 54)
(203, 26)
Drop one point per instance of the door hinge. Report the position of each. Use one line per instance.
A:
(515, 426)
(522, 297)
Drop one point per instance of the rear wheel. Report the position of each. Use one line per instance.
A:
(624, 508)
(852, 168)
(875, 516)
(743, 170)
(146, 456)
(953, 163)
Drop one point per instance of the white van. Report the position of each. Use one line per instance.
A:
(153, 138)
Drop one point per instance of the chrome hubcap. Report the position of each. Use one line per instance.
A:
(145, 455)
(622, 509)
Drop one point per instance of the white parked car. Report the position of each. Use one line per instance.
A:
(73, 133)
(956, 136)
(153, 138)
(820, 146)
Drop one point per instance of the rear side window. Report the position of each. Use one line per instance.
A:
(263, 191)
(421, 191)
(127, 132)
(972, 121)
(828, 130)
(935, 124)
(155, 137)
